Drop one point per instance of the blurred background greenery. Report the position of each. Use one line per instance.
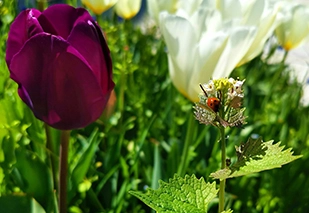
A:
(142, 140)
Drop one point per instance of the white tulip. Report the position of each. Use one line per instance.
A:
(209, 39)
(294, 29)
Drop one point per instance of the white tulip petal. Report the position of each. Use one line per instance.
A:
(190, 6)
(253, 11)
(299, 25)
(210, 48)
(180, 39)
(182, 44)
(264, 30)
(239, 42)
(229, 8)
(294, 28)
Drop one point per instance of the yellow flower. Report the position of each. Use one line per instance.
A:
(294, 29)
(99, 6)
(127, 9)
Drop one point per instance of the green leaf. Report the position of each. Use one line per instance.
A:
(84, 161)
(187, 194)
(34, 177)
(227, 211)
(19, 203)
(255, 156)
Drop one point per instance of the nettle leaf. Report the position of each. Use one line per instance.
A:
(255, 156)
(180, 195)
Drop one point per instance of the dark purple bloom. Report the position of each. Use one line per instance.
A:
(62, 64)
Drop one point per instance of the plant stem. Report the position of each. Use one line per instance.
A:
(185, 152)
(223, 165)
(63, 167)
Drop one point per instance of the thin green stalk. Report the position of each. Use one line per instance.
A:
(63, 173)
(223, 165)
(185, 152)
(286, 52)
(124, 69)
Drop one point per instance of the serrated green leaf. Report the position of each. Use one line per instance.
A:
(255, 156)
(187, 194)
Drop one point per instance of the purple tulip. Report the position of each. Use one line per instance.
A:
(62, 65)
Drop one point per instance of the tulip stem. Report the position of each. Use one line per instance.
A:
(223, 165)
(63, 167)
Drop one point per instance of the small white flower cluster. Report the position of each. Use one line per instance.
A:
(210, 88)
(236, 89)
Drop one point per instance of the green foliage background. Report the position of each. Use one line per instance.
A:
(143, 140)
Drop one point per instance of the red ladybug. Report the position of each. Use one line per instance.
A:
(213, 103)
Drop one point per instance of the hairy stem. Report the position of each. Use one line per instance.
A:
(223, 165)
(63, 167)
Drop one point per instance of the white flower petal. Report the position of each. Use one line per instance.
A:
(229, 8)
(181, 43)
(239, 42)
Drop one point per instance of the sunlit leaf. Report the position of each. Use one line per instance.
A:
(255, 156)
(180, 195)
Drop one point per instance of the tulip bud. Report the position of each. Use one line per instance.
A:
(127, 9)
(99, 6)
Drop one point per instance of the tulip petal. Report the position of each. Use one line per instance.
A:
(63, 18)
(299, 27)
(264, 31)
(59, 87)
(210, 49)
(239, 42)
(230, 9)
(253, 11)
(87, 39)
(24, 26)
(181, 42)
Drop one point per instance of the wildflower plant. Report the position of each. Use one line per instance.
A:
(220, 105)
